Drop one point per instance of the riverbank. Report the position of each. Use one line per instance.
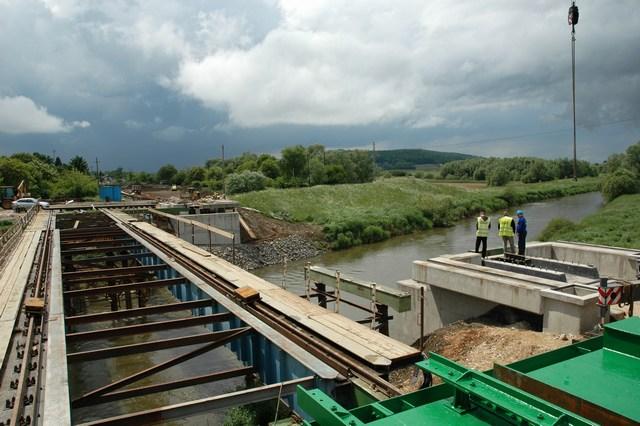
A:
(352, 215)
(614, 225)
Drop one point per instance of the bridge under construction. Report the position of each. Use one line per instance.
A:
(78, 283)
(106, 319)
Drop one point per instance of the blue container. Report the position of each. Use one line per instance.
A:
(110, 193)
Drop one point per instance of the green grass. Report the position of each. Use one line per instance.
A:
(614, 225)
(397, 205)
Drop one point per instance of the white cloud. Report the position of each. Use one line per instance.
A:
(421, 64)
(21, 115)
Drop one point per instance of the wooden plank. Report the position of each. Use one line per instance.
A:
(195, 223)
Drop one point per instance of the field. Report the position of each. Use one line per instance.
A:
(616, 224)
(354, 214)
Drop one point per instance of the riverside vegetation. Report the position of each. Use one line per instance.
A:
(359, 214)
(614, 225)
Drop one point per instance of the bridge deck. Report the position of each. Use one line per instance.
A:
(366, 344)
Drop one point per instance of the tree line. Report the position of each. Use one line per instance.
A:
(500, 171)
(47, 177)
(297, 166)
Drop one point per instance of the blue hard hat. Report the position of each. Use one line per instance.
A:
(519, 212)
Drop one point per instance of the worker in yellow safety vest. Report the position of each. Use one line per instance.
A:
(506, 231)
(483, 224)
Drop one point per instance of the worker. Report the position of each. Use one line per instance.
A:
(483, 224)
(521, 230)
(506, 230)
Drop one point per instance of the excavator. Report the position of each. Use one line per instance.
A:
(9, 193)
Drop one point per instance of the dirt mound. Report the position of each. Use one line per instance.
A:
(267, 228)
(479, 346)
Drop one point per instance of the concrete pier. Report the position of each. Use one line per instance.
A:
(561, 286)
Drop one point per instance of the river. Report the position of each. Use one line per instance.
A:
(390, 261)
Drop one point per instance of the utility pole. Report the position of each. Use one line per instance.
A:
(573, 21)
(374, 159)
(224, 176)
(97, 171)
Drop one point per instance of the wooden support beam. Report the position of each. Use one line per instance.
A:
(128, 313)
(122, 287)
(155, 345)
(107, 333)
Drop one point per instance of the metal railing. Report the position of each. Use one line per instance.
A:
(9, 238)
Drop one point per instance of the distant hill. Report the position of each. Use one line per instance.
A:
(410, 158)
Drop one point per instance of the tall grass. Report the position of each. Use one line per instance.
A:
(363, 213)
(616, 224)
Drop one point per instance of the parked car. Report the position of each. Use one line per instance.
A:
(27, 203)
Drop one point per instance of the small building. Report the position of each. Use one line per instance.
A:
(110, 193)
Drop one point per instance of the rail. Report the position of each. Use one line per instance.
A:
(326, 351)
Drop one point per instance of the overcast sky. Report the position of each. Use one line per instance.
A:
(142, 83)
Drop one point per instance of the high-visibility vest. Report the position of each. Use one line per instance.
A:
(505, 227)
(483, 227)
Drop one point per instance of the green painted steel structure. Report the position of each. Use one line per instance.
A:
(588, 383)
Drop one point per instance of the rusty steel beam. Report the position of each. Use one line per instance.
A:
(122, 287)
(140, 276)
(85, 251)
(154, 345)
(81, 234)
(225, 337)
(70, 276)
(107, 333)
(175, 384)
(97, 243)
(582, 407)
(101, 259)
(186, 409)
(127, 313)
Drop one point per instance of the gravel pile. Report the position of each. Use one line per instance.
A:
(265, 253)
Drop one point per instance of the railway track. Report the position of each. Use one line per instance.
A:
(22, 372)
(324, 350)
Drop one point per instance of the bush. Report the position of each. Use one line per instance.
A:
(398, 173)
(245, 182)
(499, 177)
(373, 233)
(621, 182)
(419, 175)
(74, 184)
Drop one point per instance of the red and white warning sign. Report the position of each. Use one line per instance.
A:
(611, 295)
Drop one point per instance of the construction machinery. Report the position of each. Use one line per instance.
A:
(8, 194)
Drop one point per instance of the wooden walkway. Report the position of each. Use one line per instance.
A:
(14, 278)
(366, 344)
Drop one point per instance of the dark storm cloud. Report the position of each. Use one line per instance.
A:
(143, 83)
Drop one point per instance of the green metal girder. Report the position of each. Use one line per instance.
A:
(478, 389)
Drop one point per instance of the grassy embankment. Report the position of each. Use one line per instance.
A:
(616, 224)
(365, 213)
